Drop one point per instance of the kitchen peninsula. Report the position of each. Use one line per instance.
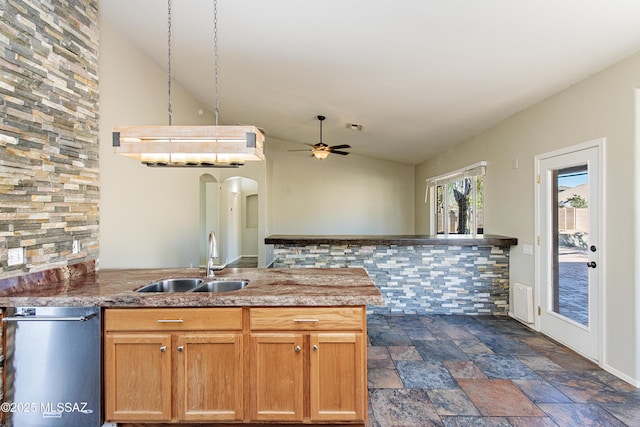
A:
(289, 347)
(452, 274)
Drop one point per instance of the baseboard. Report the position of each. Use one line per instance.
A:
(613, 371)
(622, 376)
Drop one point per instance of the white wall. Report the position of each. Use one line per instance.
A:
(601, 106)
(150, 217)
(339, 195)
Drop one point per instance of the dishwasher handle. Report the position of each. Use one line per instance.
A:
(49, 318)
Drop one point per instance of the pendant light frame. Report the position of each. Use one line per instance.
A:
(190, 146)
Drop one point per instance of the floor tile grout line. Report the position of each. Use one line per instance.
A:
(517, 336)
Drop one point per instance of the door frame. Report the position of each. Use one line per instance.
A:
(600, 144)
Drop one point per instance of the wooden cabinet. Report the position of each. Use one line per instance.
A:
(137, 376)
(303, 365)
(308, 364)
(174, 364)
(337, 376)
(277, 377)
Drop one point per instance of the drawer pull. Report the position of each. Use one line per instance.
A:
(306, 320)
(315, 348)
(180, 348)
(297, 349)
(170, 320)
(163, 348)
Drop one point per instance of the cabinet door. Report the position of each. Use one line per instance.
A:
(338, 377)
(137, 372)
(210, 376)
(277, 377)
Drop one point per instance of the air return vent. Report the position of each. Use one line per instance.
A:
(522, 302)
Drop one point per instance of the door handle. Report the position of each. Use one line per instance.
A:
(591, 264)
(21, 318)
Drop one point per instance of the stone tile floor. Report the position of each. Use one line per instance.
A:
(485, 371)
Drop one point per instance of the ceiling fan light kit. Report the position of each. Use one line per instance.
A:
(190, 146)
(321, 150)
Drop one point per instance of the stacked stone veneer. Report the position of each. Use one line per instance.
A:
(49, 180)
(418, 279)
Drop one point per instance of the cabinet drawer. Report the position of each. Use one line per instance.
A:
(170, 319)
(307, 319)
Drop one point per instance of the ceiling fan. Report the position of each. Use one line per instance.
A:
(321, 150)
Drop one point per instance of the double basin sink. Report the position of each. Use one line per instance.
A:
(194, 285)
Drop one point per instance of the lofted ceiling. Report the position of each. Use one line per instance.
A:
(419, 75)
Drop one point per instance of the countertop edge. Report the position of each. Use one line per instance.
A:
(268, 287)
(386, 240)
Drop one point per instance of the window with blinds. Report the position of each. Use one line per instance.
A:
(456, 201)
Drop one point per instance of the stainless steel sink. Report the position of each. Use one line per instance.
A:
(221, 286)
(172, 285)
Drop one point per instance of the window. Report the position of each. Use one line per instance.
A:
(457, 202)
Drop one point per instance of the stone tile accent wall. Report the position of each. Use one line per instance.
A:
(49, 178)
(419, 279)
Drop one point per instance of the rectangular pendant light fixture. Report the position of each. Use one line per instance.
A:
(190, 146)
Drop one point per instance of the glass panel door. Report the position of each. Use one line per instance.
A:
(568, 229)
(571, 225)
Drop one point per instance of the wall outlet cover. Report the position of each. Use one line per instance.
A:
(15, 256)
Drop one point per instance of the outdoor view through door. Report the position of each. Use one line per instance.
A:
(571, 236)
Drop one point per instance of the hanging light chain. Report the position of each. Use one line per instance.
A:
(169, 61)
(215, 56)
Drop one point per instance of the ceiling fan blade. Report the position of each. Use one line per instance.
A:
(342, 153)
(339, 147)
(306, 149)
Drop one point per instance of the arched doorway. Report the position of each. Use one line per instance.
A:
(231, 209)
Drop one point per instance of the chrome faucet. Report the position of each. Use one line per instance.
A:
(213, 253)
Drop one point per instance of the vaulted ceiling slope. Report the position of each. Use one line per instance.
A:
(419, 75)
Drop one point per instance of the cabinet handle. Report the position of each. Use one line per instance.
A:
(180, 348)
(163, 348)
(297, 349)
(306, 320)
(170, 320)
(315, 348)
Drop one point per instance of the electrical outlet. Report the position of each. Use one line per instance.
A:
(15, 256)
(75, 247)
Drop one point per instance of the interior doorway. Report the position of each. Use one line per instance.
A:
(230, 208)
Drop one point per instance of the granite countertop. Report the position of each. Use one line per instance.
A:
(267, 287)
(398, 240)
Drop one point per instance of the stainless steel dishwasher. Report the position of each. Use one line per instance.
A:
(53, 367)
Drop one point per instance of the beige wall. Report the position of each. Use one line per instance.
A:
(150, 217)
(601, 106)
(339, 195)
